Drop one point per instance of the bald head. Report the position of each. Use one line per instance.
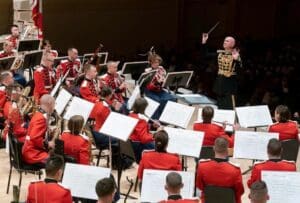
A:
(229, 43)
(47, 103)
(112, 67)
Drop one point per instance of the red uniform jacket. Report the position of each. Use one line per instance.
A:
(219, 173)
(15, 118)
(88, 91)
(288, 130)
(48, 191)
(44, 80)
(180, 201)
(3, 98)
(211, 133)
(65, 65)
(270, 165)
(14, 40)
(159, 161)
(4, 54)
(76, 146)
(54, 53)
(33, 150)
(100, 112)
(141, 131)
(157, 81)
(6, 109)
(114, 82)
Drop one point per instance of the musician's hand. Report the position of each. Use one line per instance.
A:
(156, 124)
(204, 38)
(123, 86)
(160, 128)
(117, 105)
(236, 127)
(224, 124)
(235, 54)
(51, 144)
(68, 83)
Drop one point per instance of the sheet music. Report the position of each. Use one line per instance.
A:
(254, 116)
(184, 142)
(118, 126)
(252, 145)
(282, 186)
(154, 181)
(62, 100)
(79, 107)
(151, 108)
(177, 114)
(220, 116)
(82, 179)
(135, 94)
(56, 87)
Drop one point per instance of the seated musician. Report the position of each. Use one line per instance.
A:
(6, 79)
(220, 172)
(14, 36)
(106, 190)
(44, 78)
(50, 190)
(141, 139)
(113, 80)
(76, 144)
(154, 89)
(286, 128)
(71, 64)
(89, 88)
(259, 192)
(8, 50)
(38, 141)
(14, 117)
(47, 47)
(173, 186)
(159, 158)
(211, 131)
(275, 163)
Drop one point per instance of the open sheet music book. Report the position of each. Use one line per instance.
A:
(62, 100)
(82, 179)
(154, 181)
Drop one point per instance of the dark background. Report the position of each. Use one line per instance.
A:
(6, 15)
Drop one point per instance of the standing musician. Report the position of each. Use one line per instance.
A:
(8, 49)
(47, 47)
(113, 80)
(154, 89)
(76, 144)
(14, 116)
(229, 61)
(71, 64)
(37, 142)
(90, 88)
(44, 77)
(14, 36)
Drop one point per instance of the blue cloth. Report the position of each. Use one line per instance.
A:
(161, 97)
(20, 79)
(138, 149)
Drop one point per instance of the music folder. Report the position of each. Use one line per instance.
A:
(6, 63)
(178, 79)
(32, 59)
(29, 45)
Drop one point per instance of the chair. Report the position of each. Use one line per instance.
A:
(215, 194)
(16, 162)
(207, 152)
(290, 149)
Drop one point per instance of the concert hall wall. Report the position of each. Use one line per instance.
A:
(6, 16)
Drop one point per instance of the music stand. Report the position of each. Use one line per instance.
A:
(29, 45)
(145, 79)
(58, 60)
(178, 79)
(103, 57)
(6, 63)
(31, 60)
(103, 69)
(135, 68)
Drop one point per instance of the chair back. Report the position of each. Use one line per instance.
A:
(15, 152)
(215, 194)
(290, 149)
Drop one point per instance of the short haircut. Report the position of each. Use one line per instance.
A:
(45, 42)
(71, 49)
(258, 191)
(274, 147)
(75, 124)
(221, 145)
(161, 140)
(174, 180)
(47, 99)
(14, 25)
(13, 87)
(152, 57)
(105, 187)
(4, 75)
(105, 91)
(140, 105)
(207, 114)
(284, 113)
(88, 67)
(54, 164)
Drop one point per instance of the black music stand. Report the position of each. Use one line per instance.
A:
(145, 79)
(135, 68)
(178, 79)
(31, 60)
(29, 45)
(6, 63)
(103, 69)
